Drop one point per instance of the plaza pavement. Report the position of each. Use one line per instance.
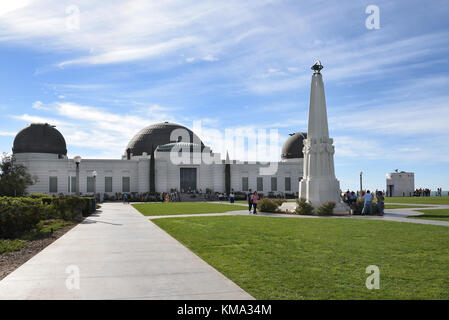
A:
(120, 254)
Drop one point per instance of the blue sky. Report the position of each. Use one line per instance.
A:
(234, 64)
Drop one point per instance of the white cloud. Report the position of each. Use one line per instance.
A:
(93, 127)
(10, 6)
(7, 133)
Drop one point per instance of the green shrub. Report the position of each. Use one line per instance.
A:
(68, 207)
(279, 202)
(304, 207)
(38, 195)
(267, 205)
(19, 215)
(326, 209)
(89, 206)
(8, 245)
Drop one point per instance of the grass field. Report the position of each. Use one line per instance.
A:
(175, 208)
(433, 214)
(275, 258)
(417, 200)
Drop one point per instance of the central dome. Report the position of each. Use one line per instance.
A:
(158, 134)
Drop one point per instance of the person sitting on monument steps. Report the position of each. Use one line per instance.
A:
(368, 197)
(380, 202)
(250, 200)
(254, 199)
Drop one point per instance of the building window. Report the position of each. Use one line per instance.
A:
(53, 185)
(244, 183)
(126, 184)
(259, 184)
(274, 184)
(90, 184)
(71, 184)
(107, 184)
(288, 184)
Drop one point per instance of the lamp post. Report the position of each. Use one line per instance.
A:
(94, 175)
(361, 174)
(77, 161)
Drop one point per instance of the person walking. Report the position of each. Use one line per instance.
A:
(250, 200)
(368, 198)
(380, 202)
(231, 196)
(255, 198)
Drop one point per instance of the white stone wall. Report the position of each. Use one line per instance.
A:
(212, 176)
(400, 184)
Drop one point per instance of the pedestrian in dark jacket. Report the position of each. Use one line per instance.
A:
(250, 200)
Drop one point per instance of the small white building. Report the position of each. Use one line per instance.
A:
(400, 184)
(147, 165)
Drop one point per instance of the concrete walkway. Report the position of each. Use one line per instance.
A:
(397, 215)
(119, 254)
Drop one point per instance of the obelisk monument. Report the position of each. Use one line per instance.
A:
(319, 184)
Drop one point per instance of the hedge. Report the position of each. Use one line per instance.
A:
(19, 215)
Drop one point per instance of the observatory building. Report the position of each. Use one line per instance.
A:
(146, 165)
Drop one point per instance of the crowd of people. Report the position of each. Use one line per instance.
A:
(422, 192)
(350, 197)
(172, 196)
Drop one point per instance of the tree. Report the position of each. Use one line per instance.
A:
(14, 177)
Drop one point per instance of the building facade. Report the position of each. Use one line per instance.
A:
(400, 184)
(148, 165)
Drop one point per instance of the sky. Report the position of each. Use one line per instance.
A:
(102, 70)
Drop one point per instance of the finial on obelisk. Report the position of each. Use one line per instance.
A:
(317, 66)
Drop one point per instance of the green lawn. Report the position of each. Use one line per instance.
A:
(433, 214)
(293, 258)
(174, 208)
(42, 230)
(421, 200)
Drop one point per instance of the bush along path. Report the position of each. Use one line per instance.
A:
(29, 224)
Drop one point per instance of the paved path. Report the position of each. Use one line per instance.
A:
(120, 254)
(398, 215)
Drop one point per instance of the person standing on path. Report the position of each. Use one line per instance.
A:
(255, 198)
(250, 200)
(368, 198)
(231, 196)
(380, 202)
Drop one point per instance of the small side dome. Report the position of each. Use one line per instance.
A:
(39, 138)
(292, 148)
